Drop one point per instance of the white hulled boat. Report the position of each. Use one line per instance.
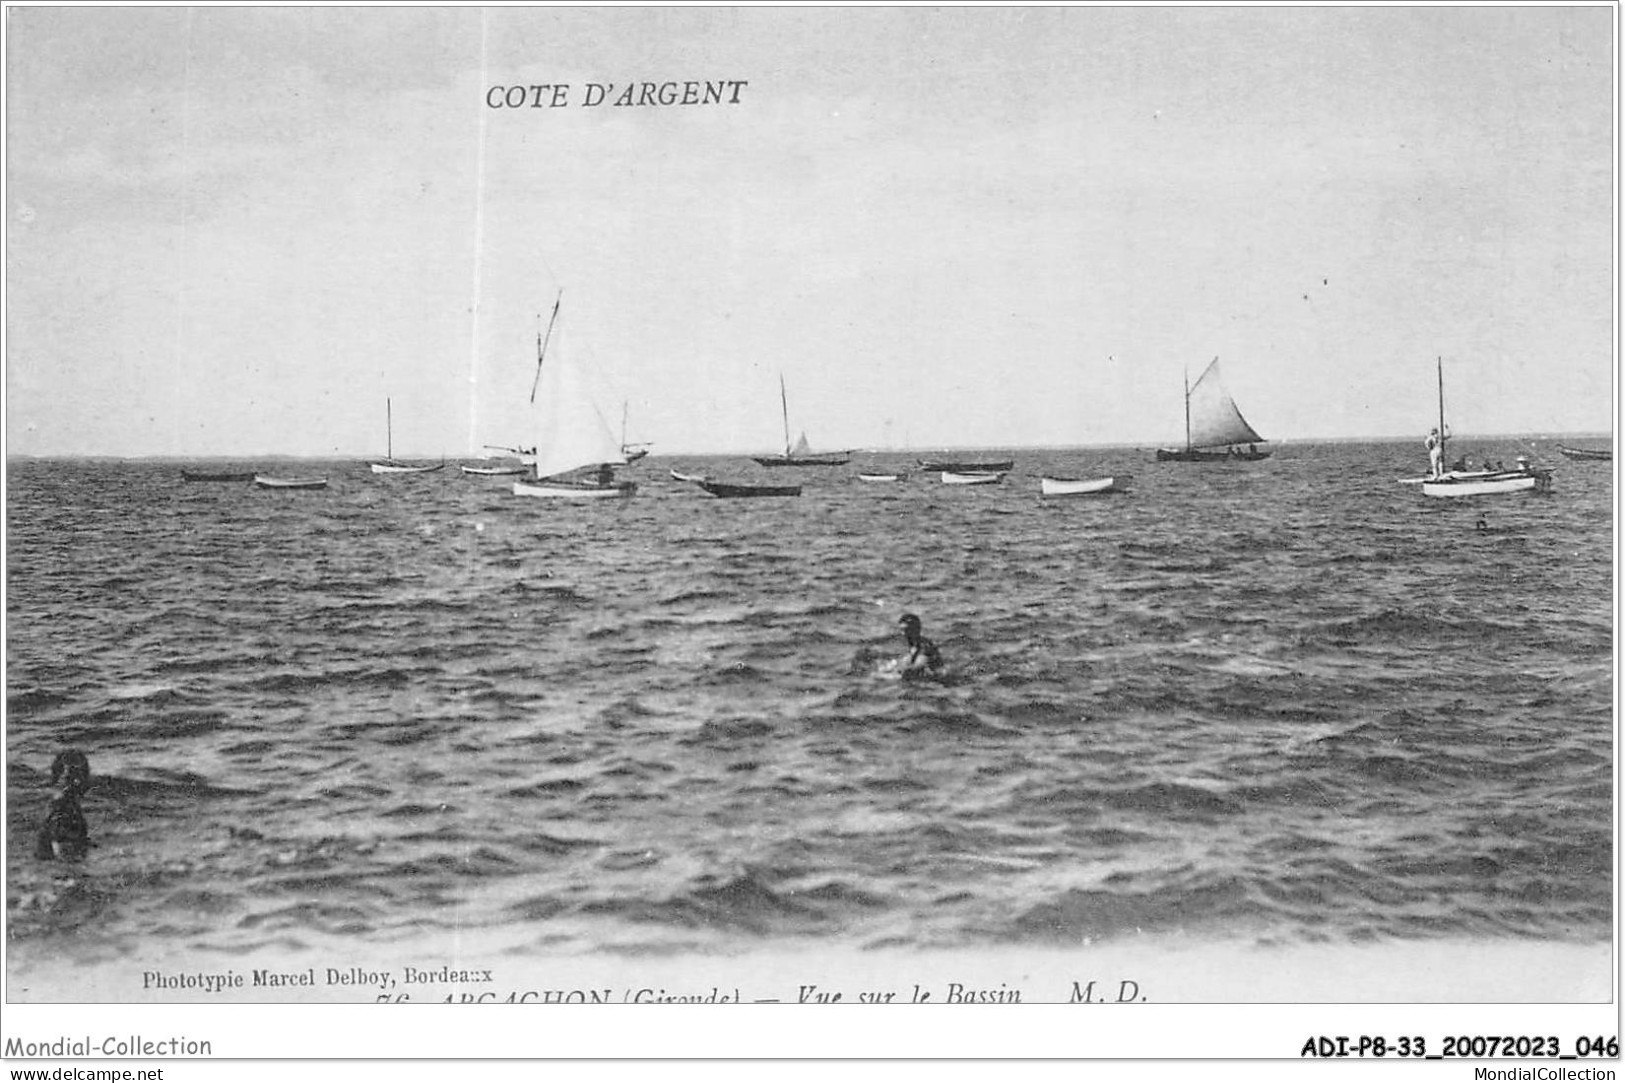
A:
(575, 450)
(1457, 483)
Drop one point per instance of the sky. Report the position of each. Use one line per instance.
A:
(240, 232)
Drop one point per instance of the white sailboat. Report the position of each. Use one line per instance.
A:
(391, 465)
(575, 450)
(1214, 428)
(1440, 482)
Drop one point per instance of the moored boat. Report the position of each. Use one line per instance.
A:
(730, 490)
(568, 489)
(678, 475)
(964, 466)
(1053, 486)
(863, 476)
(972, 477)
(1215, 431)
(267, 481)
(389, 464)
(1488, 482)
(1459, 483)
(801, 453)
(1587, 454)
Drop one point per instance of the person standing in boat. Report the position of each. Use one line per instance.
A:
(1435, 448)
(923, 659)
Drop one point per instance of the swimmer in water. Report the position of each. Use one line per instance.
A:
(65, 835)
(923, 659)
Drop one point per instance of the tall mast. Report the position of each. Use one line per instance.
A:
(1187, 409)
(541, 345)
(389, 431)
(1442, 458)
(784, 404)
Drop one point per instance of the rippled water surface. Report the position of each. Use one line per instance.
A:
(1290, 702)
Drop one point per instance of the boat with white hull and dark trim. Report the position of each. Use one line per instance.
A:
(575, 451)
(1525, 478)
(392, 465)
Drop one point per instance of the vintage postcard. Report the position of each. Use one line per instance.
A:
(1093, 521)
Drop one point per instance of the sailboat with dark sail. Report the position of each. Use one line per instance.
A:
(575, 451)
(799, 454)
(1215, 431)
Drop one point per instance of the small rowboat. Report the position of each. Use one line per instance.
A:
(575, 490)
(677, 476)
(1117, 483)
(949, 466)
(265, 481)
(977, 477)
(880, 477)
(724, 489)
(1599, 455)
(390, 466)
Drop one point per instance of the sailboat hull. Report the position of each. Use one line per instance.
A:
(803, 460)
(569, 490)
(1196, 455)
(961, 466)
(1488, 484)
(405, 468)
(986, 477)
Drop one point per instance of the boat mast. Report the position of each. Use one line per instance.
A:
(1443, 460)
(389, 431)
(784, 405)
(1187, 408)
(541, 345)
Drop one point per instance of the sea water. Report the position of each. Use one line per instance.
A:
(1289, 705)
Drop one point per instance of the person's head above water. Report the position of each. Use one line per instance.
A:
(71, 771)
(911, 627)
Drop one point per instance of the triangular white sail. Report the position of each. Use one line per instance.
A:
(571, 433)
(1214, 419)
(802, 447)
